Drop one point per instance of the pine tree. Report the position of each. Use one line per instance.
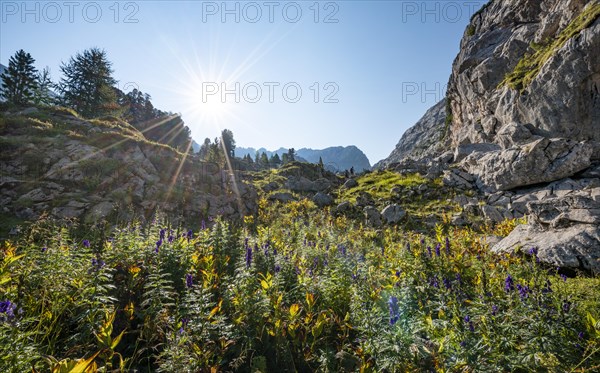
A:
(321, 165)
(42, 95)
(264, 160)
(291, 154)
(228, 142)
(204, 149)
(20, 79)
(88, 85)
(275, 161)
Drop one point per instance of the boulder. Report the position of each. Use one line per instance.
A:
(270, 186)
(540, 161)
(282, 197)
(393, 214)
(350, 183)
(343, 207)
(372, 217)
(364, 199)
(322, 199)
(99, 211)
(566, 231)
(574, 247)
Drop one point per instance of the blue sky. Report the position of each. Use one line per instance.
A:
(329, 73)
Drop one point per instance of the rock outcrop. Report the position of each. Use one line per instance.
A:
(565, 231)
(522, 119)
(55, 162)
(424, 139)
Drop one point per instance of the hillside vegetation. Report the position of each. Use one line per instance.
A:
(291, 288)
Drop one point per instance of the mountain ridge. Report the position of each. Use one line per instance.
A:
(336, 158)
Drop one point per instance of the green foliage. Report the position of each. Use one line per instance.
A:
(471, 30)
(87, 85)
(530, 65)
(301, 291)
(380, 183)
(19, 81)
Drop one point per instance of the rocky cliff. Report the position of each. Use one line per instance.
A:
(55, 162)
(424, 139)
(522, 125)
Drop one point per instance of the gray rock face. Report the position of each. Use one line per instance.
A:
(542, 160)
(562, 100)
(372, 217)
(424, 139)
(303, 185)
(322, 199)
(575, 247)
(282, 197)
(350, 183)
(547, 128)
(393, 214)
(566, 231)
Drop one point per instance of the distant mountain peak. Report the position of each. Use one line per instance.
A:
(335, 158)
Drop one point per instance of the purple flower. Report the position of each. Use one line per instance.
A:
(533, 251)
(184, 322)
(248, 256)
(434, 282)
(277, 268)
(394, 310)
(458, 278)
(162, 234)
(580, 335)
(398, 273)
(189, 280)
(564, 277)
(494, 310)
(566, 306)
(447, 284)
(190, 234)
(468, 320)
(170, 239)
(44, 249)
(429, 251)
(523, 290)
(437, 249)
(509, 284)
(158, 245)
(203, 225)
(86, 243)
(8, 309)
(463, 344)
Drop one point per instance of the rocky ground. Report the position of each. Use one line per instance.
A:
(55, 163)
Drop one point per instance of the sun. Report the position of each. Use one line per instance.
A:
(212, 107)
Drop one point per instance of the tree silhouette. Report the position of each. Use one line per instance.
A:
(19, 80)
(88, 85)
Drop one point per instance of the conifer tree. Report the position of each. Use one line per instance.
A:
(19, 81)
(42, 94)
(88, 85)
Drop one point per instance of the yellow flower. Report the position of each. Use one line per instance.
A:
(134, 270)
